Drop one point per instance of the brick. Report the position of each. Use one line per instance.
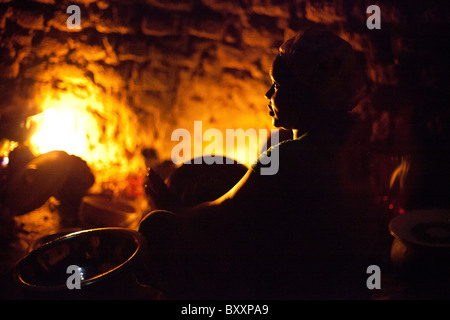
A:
(115, 19)
(106, 76)
(29, 19)
(132, 48)
(111, 56)
(262, 31)
(206, 23)
(271, 8)
(173, 5)
(159, 22)
(324, 11)
(87, 53)
(51, 46)
(171, 50)
(224, 6)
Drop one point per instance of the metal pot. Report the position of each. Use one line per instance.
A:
(421, 247)
(108, 262)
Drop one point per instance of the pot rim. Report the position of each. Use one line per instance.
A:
(401, 227)
(138, 239)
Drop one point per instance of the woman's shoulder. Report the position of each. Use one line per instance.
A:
(288, 152)
(288, 145)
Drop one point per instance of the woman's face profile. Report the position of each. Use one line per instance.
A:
(285, 100)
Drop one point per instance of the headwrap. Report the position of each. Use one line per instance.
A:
(327, 66)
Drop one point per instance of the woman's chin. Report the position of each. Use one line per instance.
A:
(278, 124)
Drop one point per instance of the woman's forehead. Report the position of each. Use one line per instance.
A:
(281, 73)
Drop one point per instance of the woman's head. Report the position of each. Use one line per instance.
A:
(315, 77)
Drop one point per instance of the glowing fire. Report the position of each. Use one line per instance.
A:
(98, 125)
(64, 127)
(105, 138)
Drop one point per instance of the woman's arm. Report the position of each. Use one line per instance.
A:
(229, 201)
(249, 188)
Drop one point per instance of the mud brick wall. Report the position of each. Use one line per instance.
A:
(171, 62)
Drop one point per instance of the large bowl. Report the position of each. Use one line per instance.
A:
(197, 183)
(107, 261)
(420, 250)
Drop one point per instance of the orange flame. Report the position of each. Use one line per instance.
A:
(105, 138)
(97, 124)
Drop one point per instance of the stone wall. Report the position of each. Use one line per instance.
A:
(170, 62)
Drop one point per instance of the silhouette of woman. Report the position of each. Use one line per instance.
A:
(282, 236)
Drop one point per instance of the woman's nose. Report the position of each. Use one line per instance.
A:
(271, 91)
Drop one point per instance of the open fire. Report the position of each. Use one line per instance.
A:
(108, 138)
(91, 128)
